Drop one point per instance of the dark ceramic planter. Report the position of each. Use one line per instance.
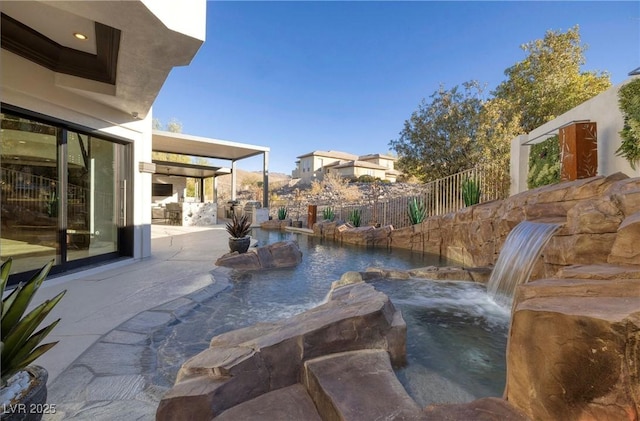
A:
(241, 245)
(32, 405)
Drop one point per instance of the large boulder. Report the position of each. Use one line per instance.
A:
(277, 255)
(243, 364)
(275, 224)
(486, 409)
(289, 403)
(573, 350)
(358, 385)
(626, 247)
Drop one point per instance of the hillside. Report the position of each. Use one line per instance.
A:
(249, 184)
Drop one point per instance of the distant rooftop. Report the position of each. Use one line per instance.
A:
(377, 155)
(331, 154)
(361, 164)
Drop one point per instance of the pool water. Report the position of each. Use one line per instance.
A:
(456, 337)
(456, 340)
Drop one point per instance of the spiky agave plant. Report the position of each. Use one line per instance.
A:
(355, 217)
(239, 227)
(20, 345)
(417, 211)
(470, 191)
(282, 213)
(328, 213)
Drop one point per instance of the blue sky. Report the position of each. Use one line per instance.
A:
(333, 75)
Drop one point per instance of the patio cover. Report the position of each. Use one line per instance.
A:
(189, 170)
(204, 147)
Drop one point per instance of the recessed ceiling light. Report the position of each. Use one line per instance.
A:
(80, 36)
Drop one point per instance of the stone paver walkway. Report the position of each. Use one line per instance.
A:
(117, 377)
(102, 368)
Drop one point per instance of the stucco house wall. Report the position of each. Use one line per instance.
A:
(356, 171)
(314, 165)
(109, 109)
(602, 109)
(378, 159)
(310, 166)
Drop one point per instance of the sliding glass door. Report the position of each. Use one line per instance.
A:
(30, 179)
(61, 195)
(91, 196)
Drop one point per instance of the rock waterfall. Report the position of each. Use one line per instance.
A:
(517, 257)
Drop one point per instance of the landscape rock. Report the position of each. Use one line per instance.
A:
(291, 403)
(572, 356)
(243, 364)
(486, 409)
(358, 385)
(602, 271)
(347, 278)
(275, 224)
(626, 247)
(574, 338)
(433, 273)
(592, 212)
(277, 255)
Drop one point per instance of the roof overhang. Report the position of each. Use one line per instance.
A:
(130, 49)
(184, 144)
(549, 129)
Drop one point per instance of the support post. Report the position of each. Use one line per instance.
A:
(519, 167)
(233, 180)
(265, 180)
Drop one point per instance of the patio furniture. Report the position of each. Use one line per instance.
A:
(174, 211)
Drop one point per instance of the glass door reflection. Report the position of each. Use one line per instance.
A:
(29, 198)
(91, 196)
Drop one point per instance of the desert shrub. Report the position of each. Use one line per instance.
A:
(316, 187)
(366, 178)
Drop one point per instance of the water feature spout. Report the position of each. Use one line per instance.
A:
(517, 257)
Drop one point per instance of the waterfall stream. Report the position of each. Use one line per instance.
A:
(517, 257)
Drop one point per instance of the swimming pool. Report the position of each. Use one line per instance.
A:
(456, 335)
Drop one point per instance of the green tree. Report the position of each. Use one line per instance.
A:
(496, 130)
(549, 82)
(440, 137)
(175, 126)
(457, 131)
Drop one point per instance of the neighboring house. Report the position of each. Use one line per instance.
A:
(314, 165)
(386, 161)
(603, 109)
(78, 79)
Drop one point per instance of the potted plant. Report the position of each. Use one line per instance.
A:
(24, 386)
(239, 229)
